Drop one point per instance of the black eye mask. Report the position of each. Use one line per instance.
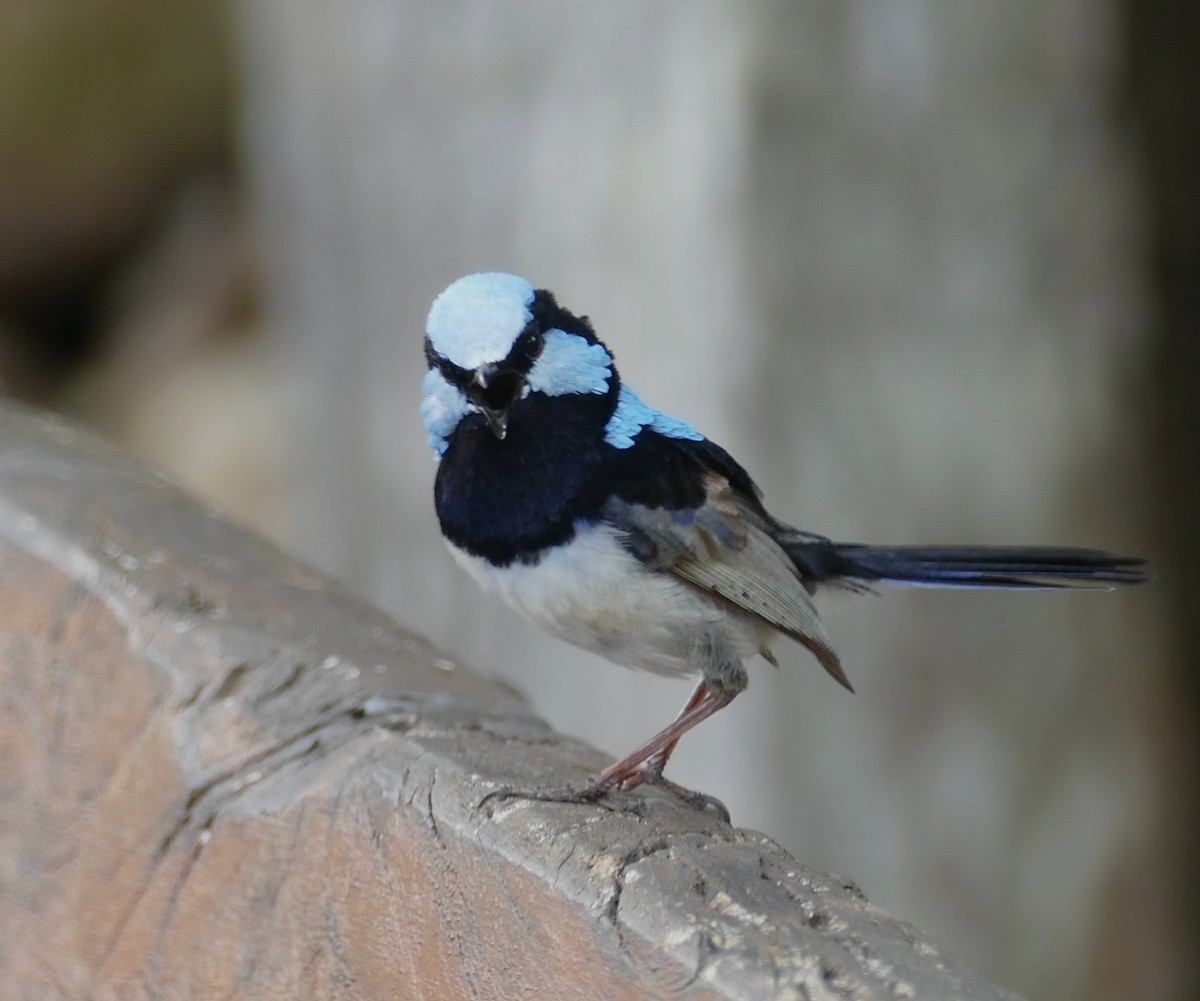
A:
(504, 386)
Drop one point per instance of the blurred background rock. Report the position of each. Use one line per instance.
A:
(929, 268)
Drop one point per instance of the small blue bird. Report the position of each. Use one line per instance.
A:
(626, 532)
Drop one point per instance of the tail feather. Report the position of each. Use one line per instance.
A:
(963, 566)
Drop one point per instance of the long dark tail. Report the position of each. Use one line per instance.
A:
(961, 566)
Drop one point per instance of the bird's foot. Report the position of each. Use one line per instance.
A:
(700, 801)
(609, 794)
(590, 792)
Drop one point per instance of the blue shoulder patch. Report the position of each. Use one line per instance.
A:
(570, 364)
(442, 407)
(632, 415)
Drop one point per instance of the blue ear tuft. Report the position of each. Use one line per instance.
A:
(570, 364)
(479, 317)
(442, 407)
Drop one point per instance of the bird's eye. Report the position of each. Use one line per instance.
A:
(528, 347)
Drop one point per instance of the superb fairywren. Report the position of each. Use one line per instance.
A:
(626, 531)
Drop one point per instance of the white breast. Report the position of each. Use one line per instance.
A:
(592, 593)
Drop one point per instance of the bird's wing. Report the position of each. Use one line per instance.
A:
(722, 547)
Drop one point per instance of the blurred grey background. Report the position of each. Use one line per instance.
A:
(930, 269)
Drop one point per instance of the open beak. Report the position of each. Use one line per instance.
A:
(497, 420)
(497, 389)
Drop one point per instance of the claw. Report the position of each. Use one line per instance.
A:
(700, 801)
(605, 794)
(551, 794)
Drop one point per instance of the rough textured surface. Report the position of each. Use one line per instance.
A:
(223, 776)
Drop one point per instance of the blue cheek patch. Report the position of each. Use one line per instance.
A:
(632, 415)
(442, 407)
(569, 364)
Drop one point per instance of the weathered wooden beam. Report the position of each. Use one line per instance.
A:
(221, 775)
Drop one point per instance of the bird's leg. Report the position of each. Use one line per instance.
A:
(651, 769)
(654, 752)
(642, 765)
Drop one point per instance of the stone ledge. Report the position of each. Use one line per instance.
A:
(222, 775)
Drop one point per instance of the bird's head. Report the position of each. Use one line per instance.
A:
(494, 343)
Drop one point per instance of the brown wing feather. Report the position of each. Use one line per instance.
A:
(724, 550)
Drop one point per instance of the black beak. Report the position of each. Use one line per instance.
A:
(497, 420)
(494, 392)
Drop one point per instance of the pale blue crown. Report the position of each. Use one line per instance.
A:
(477, 319)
